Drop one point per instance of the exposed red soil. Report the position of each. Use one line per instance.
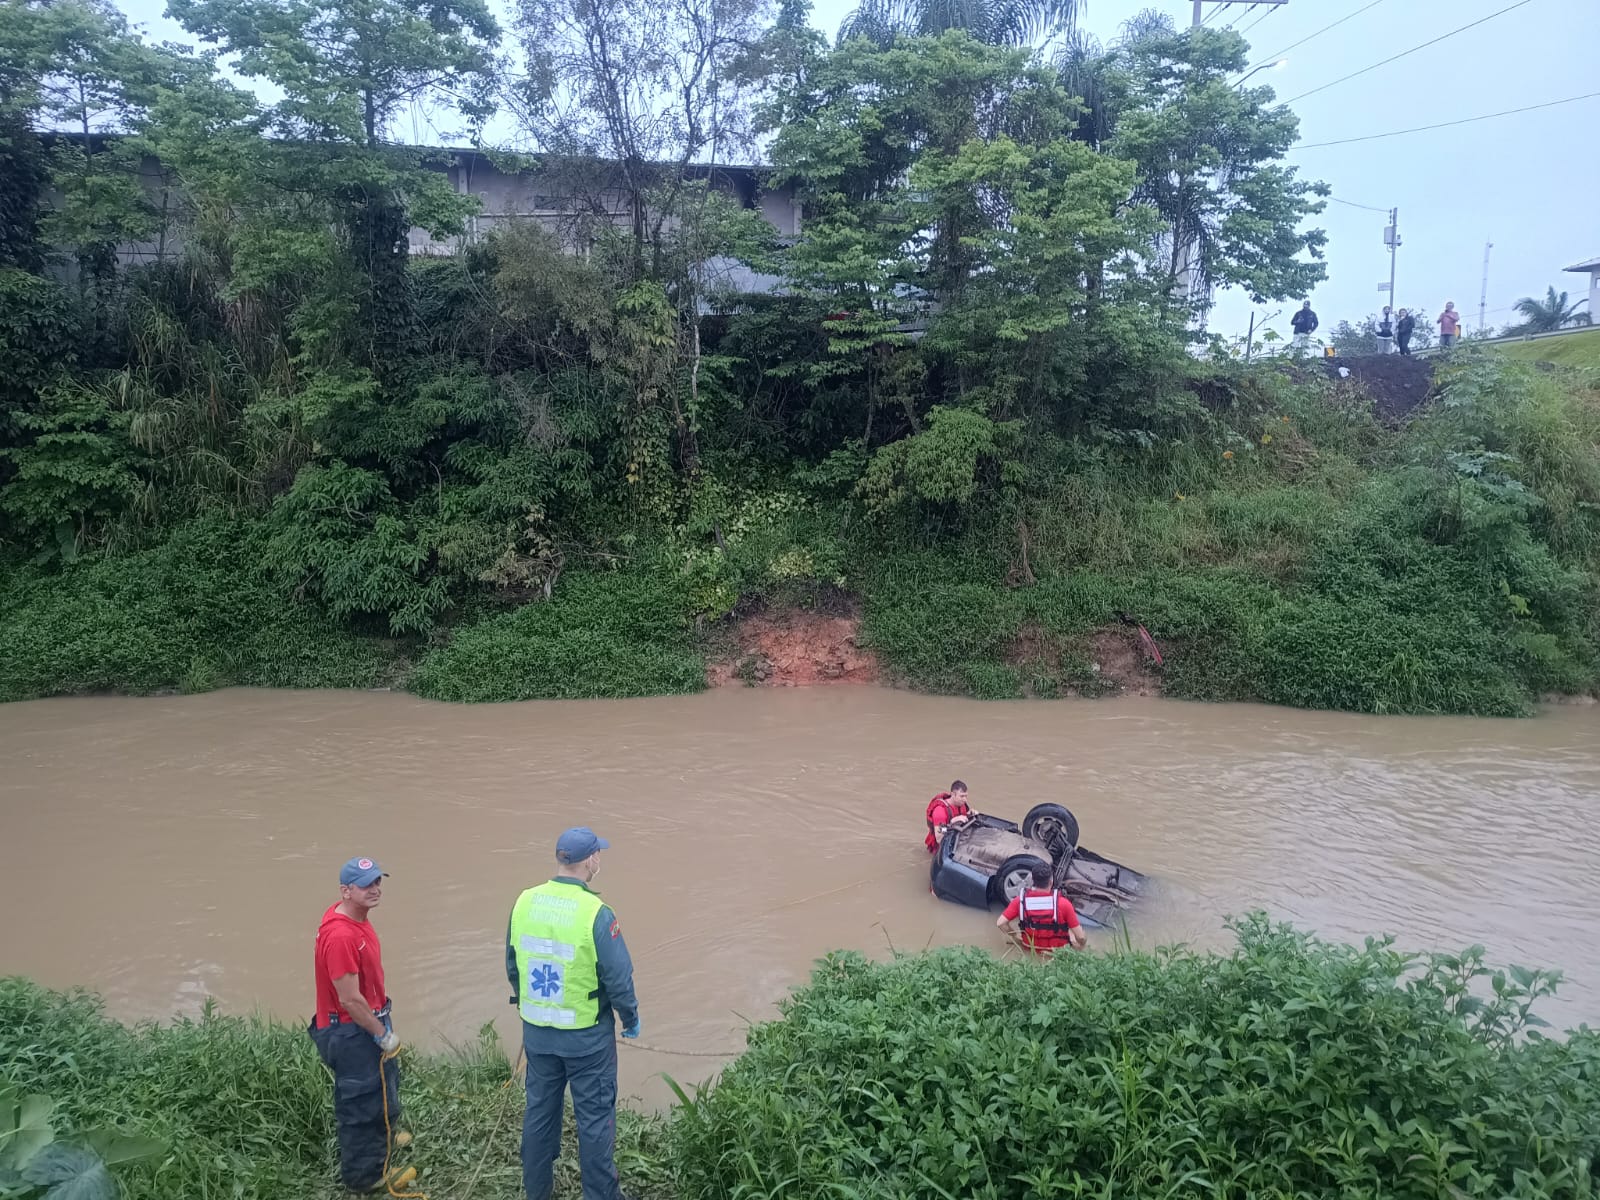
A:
(793, 648)
(1115, 649)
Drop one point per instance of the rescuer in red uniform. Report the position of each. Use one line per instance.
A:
(1044, 916)
(944, 810)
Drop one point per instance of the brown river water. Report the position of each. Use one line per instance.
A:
(167, 849)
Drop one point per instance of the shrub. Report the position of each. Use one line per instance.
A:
(194, 612)
(1288, 1068)
(599, 635)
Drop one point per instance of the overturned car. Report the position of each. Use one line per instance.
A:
(987, 861)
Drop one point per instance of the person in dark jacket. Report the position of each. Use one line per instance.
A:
(1304, 324)
(1403, 329)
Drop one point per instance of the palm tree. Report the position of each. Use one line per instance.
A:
(1550, 314)
(994, 22)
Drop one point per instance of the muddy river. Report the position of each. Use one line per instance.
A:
(168, 849)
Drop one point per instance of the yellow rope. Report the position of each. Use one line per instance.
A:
(410, 1173)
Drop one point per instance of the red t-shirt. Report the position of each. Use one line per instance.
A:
(1041, 940)
(346, 947)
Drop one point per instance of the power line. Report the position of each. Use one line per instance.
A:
(1413, 50)
(1279, 54)
(1353, 204)
(1242, 15)
(1260, 19)
(1372, 137)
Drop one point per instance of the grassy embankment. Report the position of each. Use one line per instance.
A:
(1288, 1068)
(1579, 349)
(1287, 548)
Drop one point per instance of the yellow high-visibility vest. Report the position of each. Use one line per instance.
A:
(558, 974)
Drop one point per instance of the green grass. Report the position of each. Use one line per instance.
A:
(245, 1111)
(1286, 1068)
(1580, 348)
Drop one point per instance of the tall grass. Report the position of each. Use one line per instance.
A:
(244, 1106)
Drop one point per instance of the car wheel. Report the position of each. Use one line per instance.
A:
(1045, 820)
(1014, 874)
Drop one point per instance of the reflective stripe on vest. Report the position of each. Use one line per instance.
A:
(558, 973)
(1039, 913)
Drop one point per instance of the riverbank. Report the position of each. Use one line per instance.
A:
(1288, 548)
(1287, 1067)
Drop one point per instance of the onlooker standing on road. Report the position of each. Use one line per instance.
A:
(1449, 325)
(1304, 324)
(570, 967)
(1403, 329)
(352, 1029)
(1386, 331)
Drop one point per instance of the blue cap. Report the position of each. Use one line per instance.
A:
(575, 845)
(361, 872)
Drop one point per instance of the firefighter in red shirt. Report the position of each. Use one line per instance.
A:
(352, 1028)
(1044, 916)
(944, 810)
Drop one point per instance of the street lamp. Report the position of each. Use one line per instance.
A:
(1271, 66)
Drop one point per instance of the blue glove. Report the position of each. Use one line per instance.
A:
(631, 1030)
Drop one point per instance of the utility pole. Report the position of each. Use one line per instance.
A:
(1391, 239)
(1483, 295)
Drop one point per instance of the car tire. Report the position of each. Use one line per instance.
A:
(1014, 874)
(1042, 819)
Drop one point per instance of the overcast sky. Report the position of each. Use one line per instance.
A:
(1530, 183)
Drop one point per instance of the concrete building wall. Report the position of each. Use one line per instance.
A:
(563, 204)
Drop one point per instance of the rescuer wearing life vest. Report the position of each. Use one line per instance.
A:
(352, 1029)
(1044, 916)
(570, 969)
(945, 810)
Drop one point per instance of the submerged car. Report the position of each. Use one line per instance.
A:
(987, 861)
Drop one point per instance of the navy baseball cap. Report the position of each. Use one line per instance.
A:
(361, 872)
(575, 845)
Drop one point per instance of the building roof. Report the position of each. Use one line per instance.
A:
(1592, 265)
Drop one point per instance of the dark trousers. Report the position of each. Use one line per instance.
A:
(1405, 343)
(357, 1065)
(593, 1079)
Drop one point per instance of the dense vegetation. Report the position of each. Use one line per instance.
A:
(1286, 1068)
(280, 449)
(243, 1108)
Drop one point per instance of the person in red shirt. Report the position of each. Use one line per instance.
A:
(1044, 916)
(352, 1028)
(945, 810)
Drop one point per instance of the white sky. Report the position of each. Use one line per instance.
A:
(1530, 183)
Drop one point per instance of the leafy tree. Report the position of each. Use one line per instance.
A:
(1550, 314)
(1208, 154)
(346, 72)
(1361, 338)
(993, 22)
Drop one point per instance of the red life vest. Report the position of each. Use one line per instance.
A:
(1047, 917)
(953, 809)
